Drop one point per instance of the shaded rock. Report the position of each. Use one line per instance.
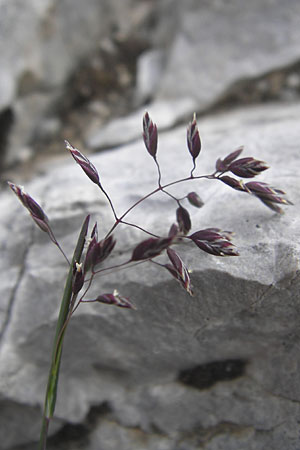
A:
(200, 54)
(51, 38)
(35, 105)
(113, 435)
(244, 309)
(126, 129)
(211, 53)
(149, 71)
(6, 122)
(43, 43)
(218, 43)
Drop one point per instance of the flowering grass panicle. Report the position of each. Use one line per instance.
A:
(86, 264)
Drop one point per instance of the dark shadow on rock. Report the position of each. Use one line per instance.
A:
(204, 376)
(6, 122)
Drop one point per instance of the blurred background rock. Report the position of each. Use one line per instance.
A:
(70, 68)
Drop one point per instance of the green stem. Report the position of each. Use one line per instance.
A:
(50, 397)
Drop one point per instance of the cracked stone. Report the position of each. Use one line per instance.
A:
(217, 43)
(244, 308)
(213, 54)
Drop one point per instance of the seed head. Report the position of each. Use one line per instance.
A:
(193, 138)
(30, 204)
(195, 200)
(232, 156)
(34, 209)
(270, 196)
(178, 270)
(235, 184)
(150, 135)
(214, 241)
(174, 230)
(88, 261)
(103, 249)
(223, 164)
(115, 299)
(183, 219)
(84, 163)
(97, 252)
(247, 167)
(150, 248)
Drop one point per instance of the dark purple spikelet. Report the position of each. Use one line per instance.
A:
(84, 163)
(179, 271)
(102, 250)
(235, 184)
(115, 299)
(32, 207)
(43, 225)
(20, 193)
(193, 138)
(30, 204)
(195, 200)
(92, 242)
(223, 164)
(150, 135)
(150, 248)
(174, 230)
(96, 251)
(220, 166)
(214, 241)
(247, 167)
(88, 261)
(78, 278)
(270, 196)
(183, 219)
(232, 156)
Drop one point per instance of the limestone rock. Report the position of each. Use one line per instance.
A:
(201, 51)
(41, 44)
(206, 49)
(46, 39)
(216, 370)
(126, 129)
(220, 42)
(149, 72)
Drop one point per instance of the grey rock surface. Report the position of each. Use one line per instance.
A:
(127, 129)
(47, 39)
(220, 42)
(148, 73)
(41, 44)
(198, 53)
(209, 47)
(238, 336)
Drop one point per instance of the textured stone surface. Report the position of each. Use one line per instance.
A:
(238, 336)
(47, 39)
(125, 129)
(41, 44)
(209, 48)
(220, 42)
(199, 52)
(149, 71)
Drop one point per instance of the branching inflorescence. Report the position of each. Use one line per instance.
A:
(90, 252)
